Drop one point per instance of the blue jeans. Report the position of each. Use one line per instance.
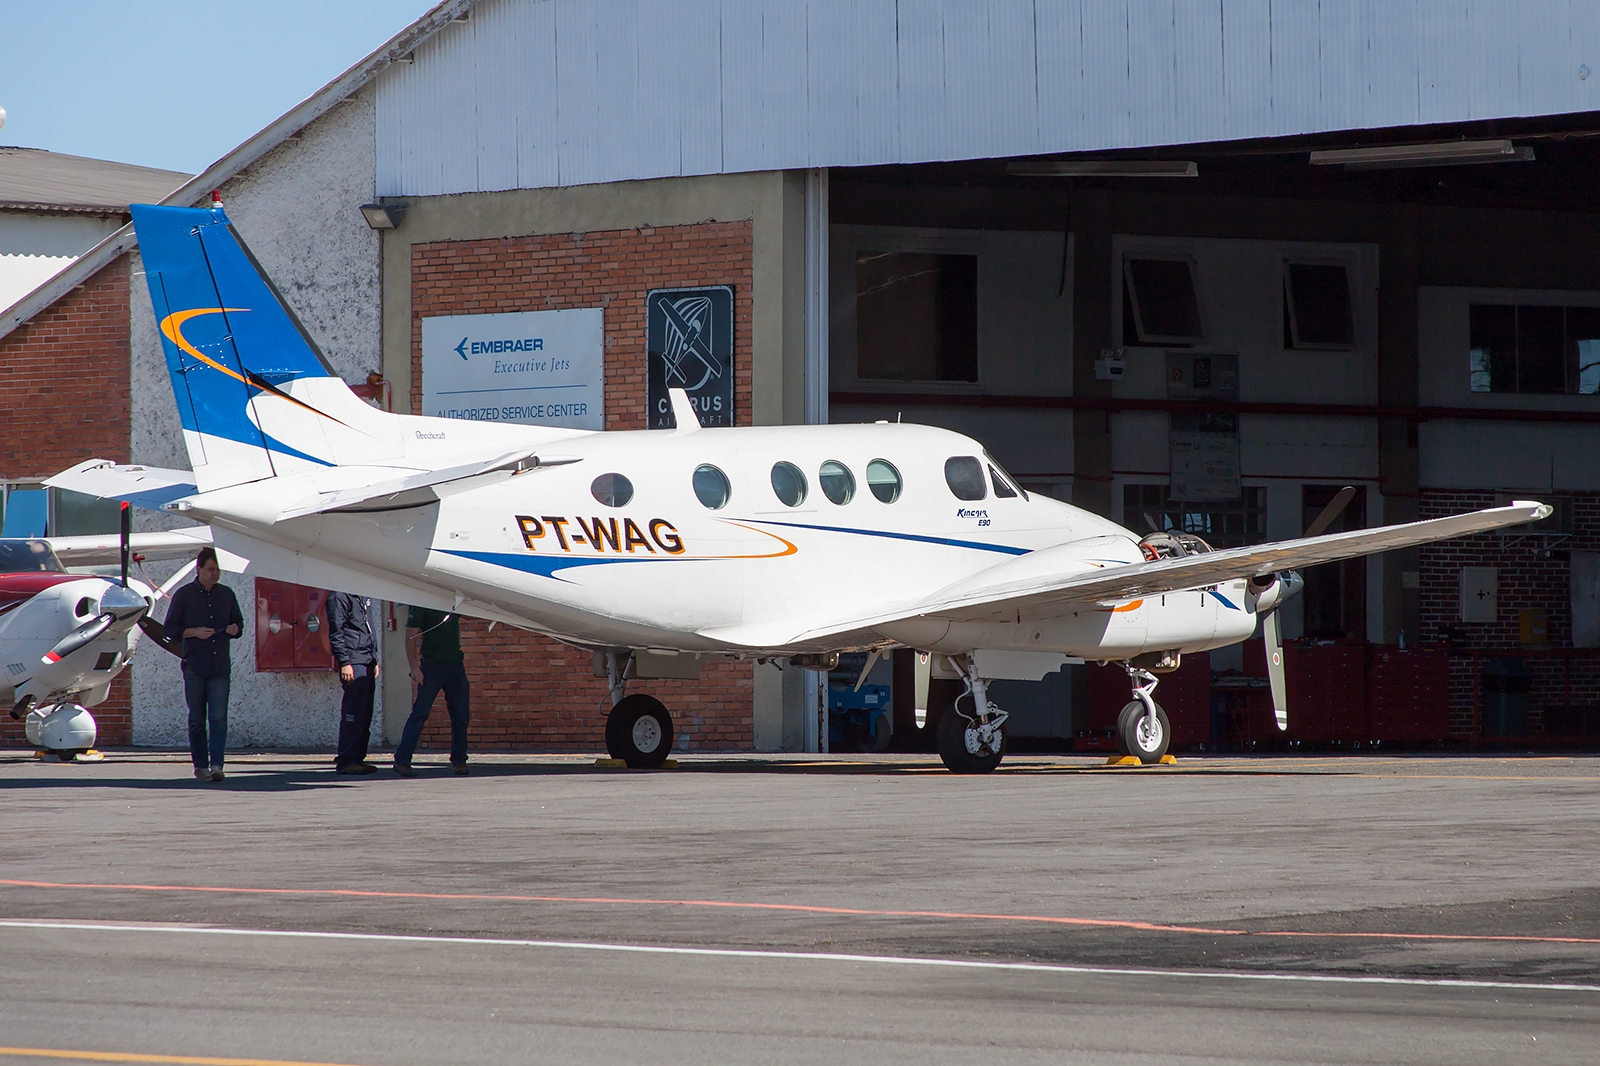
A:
(451, 679)
(207, 698)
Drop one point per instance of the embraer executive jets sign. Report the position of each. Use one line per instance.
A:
(537, 368)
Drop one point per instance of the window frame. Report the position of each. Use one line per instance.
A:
(1291, 325)
(1130, 294)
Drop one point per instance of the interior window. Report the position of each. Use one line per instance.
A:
(964, 475)
(711, 486)
(613, 490)
(1159, 301)
(883, 480)
(789, 484)
(916, 316)
(1528, 348)
(838, 484)
(1316, 306)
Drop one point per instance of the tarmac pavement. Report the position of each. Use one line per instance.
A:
(800, 909)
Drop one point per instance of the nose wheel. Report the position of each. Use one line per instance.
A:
(1142, 727)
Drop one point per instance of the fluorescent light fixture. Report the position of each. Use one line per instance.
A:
(383, 216)
(1103, 168)
(1439, 154)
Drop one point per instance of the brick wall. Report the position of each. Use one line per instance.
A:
(529, 691)
(1527, 579)
(64, 399)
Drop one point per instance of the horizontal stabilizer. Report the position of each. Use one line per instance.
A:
(150, 487)
(418, 487)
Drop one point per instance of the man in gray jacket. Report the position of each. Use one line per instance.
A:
(353, 629)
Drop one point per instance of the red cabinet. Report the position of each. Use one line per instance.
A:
(291, 627)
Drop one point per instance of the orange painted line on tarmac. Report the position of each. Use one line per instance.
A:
(800, 908)
(133, 1056)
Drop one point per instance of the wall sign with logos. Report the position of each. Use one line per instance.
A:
(533, 368)
(1203, 446)
(689, 346)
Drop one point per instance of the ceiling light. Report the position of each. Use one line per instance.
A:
(383, 216)
(1440, 154)
(1103, 168)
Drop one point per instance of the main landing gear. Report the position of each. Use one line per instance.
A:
(971, 743)
(1142, 727)
(638, 729)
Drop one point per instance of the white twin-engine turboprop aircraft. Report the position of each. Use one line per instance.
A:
(658, 549)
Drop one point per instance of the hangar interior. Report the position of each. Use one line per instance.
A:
(1423, 333)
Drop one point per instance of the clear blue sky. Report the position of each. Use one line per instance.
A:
(174, 85)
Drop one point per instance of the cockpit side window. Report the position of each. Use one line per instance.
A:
(1003, 477)
(964, 475)
(1002, 487)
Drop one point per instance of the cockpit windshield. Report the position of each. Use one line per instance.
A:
(28, 557)
(1002, 476)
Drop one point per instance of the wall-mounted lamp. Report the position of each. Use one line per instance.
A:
(383, 216)
(1438, 154)
(1103, 168)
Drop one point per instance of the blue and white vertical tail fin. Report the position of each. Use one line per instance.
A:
(242, 367)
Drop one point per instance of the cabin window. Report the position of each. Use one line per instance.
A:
(1159, 301)
(789, 484)
(883, 480)
(1316, 307)
(838, 484)
(964, 475)
(916, 316)
(613, 490)
(711, 487)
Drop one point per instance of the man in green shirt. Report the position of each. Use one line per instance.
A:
(433, 652)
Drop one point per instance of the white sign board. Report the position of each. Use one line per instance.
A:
(1205, 466)
(535, 368)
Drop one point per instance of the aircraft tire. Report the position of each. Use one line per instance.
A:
(639, 731)
(951, 736)
(1130, 741)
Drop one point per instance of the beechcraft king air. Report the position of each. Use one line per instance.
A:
(658, 547)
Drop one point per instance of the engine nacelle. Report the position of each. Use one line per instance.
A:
(1274, 590)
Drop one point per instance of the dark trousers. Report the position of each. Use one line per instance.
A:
(355, 715)
(207, 698)
(451, 679)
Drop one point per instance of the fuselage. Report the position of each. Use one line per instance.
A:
(745, 540)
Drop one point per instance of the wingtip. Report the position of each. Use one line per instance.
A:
(1540, 510)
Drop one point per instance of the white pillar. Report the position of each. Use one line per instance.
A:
(816, 305)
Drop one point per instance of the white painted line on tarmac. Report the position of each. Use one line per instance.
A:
(816, 956)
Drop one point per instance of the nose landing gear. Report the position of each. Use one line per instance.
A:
(1142, 727)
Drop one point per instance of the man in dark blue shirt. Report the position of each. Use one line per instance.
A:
(353, 635)
(205, 615)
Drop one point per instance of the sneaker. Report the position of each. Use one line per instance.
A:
(217, 774)
(461, 769)
(404, 769)
(202, 773)
(356, 768)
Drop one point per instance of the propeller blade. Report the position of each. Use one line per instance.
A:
(922, 674)
(1331, 512)
(79, 637)
(127, 535)
(158, 633)
(1151, 523)
(1272, 637)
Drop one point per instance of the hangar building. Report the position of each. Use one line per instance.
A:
(1190, 266)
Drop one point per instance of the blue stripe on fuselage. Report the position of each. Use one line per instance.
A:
(1003, 549)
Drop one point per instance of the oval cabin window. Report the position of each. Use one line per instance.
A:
(789, 484)
(711, 486)
(883, 480)
(613, 490)
(838, 484)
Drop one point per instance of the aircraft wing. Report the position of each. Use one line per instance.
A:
(105, 549)
(1052, 580)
